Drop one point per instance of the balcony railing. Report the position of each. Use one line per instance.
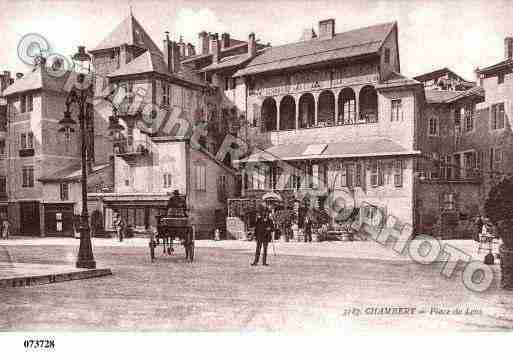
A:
(127, 147)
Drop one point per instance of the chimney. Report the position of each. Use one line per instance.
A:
(203, 42)
(216, 50)
(225, 40)
(308, 34)
(181, 47)
(174, 57)
(189, 50)
(171, 54)
(326, 29)
(19, 75)
(508, 48)
(212, 41)
(251, 45)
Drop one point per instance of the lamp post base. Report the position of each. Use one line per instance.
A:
(86, 263)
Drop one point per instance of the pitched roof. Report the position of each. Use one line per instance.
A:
(39, 78)
(397, 80)
(498, 66)
(72, 173)
(151, 62)
(227, 62)
(436, 73)
(364, 147)
(129, 32)
(445, 96)
(363, 41)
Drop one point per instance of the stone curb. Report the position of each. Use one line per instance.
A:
(25, 281)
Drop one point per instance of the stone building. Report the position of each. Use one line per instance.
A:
(5, 81)
(41, 161)
(333, 113)
(162, 105)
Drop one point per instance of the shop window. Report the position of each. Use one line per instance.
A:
(398, 173)
(28, 176)
(140, 217)
(397, 110)
(349, 174)
(64, 190)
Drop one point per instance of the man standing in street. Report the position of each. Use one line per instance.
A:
(263, 233)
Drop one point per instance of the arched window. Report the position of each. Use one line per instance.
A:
(368, 104)
(306, 111)
(287, 113)
(326, 108)
(269, 114)
(346, 107)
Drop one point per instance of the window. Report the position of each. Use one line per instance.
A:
(28, 176)
(221, 188)
(497, 116)
(165, 94)
(3, 186)
(2, 147)
(469, 117)
(470, 164)
(23, 104)
(500, 78)
(30, 102)
(449, 201)
(398, 173)
(435, 166)
(201, 178)
(343, 176)
(64, 191)
(374, 173)
(349, 174)
(27, 140)
(315, 176)
(358, 175)
(387, 56)
(434, 126)
(397, 111)
(381, 174)
(168, 180)
(448, 167)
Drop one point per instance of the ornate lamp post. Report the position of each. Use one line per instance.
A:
(79, 95)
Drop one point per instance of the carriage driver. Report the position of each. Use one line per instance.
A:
(176, 205)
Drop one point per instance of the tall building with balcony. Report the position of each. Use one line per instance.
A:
(161, 104)
(5, 81)
(42, 182)
(335, 115)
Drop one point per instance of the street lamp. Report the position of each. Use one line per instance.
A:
(78, 95)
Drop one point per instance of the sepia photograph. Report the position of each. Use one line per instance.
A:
(254, 168)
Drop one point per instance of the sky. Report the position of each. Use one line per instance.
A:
(461, 35)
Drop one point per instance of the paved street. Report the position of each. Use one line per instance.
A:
(307, 286)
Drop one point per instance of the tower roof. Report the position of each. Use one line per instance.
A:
(129, 32)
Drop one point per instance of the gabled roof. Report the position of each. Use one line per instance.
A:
(72, 173)
(444, 96)
(37, 79)
(364, 147)
(151, 62)
(129, 32)
(359, 42)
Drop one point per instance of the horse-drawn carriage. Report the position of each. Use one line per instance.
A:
(176, 224)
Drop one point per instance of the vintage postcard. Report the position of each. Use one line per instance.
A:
(255, 166)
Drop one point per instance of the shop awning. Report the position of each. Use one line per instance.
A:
(372, 147)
